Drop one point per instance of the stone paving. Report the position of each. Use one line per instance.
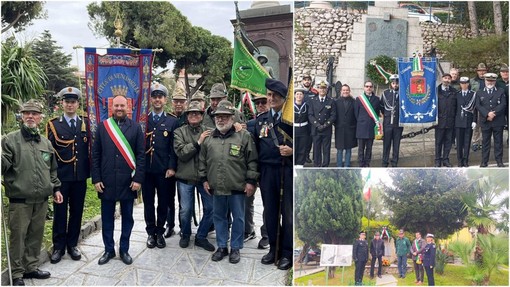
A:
(171, 265)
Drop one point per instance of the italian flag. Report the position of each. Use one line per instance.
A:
(246, 99)
(366, 189)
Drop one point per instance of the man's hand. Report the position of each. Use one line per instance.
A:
(285, 150)
(135, 186)
(58, 197)
(249, 189)
(473, 125)
(238, 127)
(320, 128)
(206, 187)
(99, 187)
(203, 136)
(169, 173)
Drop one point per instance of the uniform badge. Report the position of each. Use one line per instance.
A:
(264, 131)
(235, 150)
(46, 155)
(84, 139)
(165, 133)
(328, 107)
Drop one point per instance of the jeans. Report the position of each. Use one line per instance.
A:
(340, 156)
(402, 265)
(221, 206)
(187, 196)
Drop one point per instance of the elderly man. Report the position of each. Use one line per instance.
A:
(491, 103)
(228, 171)
(446, 105)
(402, 247)
(29, 169)
(390, 107)
(274, 143)
(69, 135)
(118, 166)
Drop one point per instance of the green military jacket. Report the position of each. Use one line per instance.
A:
(187, 149)
(228, 161)
(29, 168)
(402, 246)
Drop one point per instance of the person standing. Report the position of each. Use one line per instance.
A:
(160, 166)
(417, 249)
(217, 94)
(345, 127)
(455, 83)
(376, 251)
(228, 171)
(118, 166)
(321, 116)
(390, 108)
(273, 138)
(309, 93)
(402, 247)
(491, 103)
(429, 259)
(446, 105)
(29, 169)
(366, 110)
(465, 121)
(477, 84)
(301, 125)
(360, 257)
(69, 136)
(187, 143)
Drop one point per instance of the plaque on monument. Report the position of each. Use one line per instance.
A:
(387, 38)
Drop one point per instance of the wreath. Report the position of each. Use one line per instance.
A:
(387, 63)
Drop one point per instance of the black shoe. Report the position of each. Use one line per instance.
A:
(219, 254)
(263, 243)
(126, 258)
(151, 242)
(447, 163)
(268, 258)
(37, 274)
(483, 164)
(308, 159)
(169, 232)
(18, 282)
(106, 257)
(56, 256)
(284, 264)
(249, 236)
(74, 253)
(184, 241)
(235, 256)
(438, 164)
(160, 241)
(204, 243)
(500, 164)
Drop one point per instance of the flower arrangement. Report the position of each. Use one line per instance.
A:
(385, 262)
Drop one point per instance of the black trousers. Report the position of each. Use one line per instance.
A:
(359, 270)
(463, 136)
(497, 133)
(372, 265)
(443, 141)
(249, 223)
(108, 221)
(430, 275)
(321, 150)
(418, 271)
(170, 217)
(270, 183)
(156, 183)
(301, 147)
(365, 152)
(392, 136)
(66, 233)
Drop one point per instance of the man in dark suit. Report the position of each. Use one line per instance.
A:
(366, 122)
(390, 107)
(118, 166)
(69, 136)
(465, 121)
(446, 105)
(322, 115)
(491, 103)
(345, 127)
(160, 163)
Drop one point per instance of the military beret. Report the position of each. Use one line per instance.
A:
(503, 68)
(277, 87)
(158, 89)
(224, 108)
(70, 93)
(32, 106)
(464, 80)
(218, 90)
(490, 76)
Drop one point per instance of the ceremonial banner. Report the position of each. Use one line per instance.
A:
(418, 99)
(118, 72)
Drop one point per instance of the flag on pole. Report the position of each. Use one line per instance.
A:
(366, 189)
(246, 99)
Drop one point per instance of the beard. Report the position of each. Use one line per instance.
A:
(224, 127)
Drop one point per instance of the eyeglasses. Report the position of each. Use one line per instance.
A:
(222, 117)
(369, 86)
(260, 103)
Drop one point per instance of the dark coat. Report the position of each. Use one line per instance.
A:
(365, 124)
(345, 124)
(463, 118)
(377, 247)
(268, 152)
(389, 100)
(322, 114)
(494, 102)
(301, 117)
(110, 167)
(446, 106)
(159, 144)
(69, 145)
(360, 250)
(429, 255)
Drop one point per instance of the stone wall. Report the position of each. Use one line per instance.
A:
(432, 33)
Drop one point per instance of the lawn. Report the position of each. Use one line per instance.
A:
(91, 209)
(320, 278)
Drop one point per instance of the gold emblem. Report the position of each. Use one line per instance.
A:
(165, 133)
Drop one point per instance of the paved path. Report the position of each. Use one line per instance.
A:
(171, 265)
(386, 280)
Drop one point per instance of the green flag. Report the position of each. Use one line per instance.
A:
(247, 73)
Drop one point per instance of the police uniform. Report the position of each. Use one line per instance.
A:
(390, 107)
(488, 100)
(159, 157)
(70, 137)
(365, 129)
(465, 118)
(429, 261)
(446, 105)
(360, 257)
(322, 115)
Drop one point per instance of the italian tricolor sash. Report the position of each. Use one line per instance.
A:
(370, 110)
(120, 142)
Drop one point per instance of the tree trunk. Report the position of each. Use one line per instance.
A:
(303, 252)
(498, 18)
(473, 20)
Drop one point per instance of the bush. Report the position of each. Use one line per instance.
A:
(441, 260)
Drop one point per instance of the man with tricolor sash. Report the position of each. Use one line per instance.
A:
(366, 111)
(118, 165)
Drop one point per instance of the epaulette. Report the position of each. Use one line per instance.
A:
(172, 114)
(54, 118)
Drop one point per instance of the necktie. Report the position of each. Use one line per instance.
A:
(275, 117)
(490, 91)
(156, 118)
(73, 125)
(463, 94)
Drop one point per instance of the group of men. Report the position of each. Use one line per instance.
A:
(422, 253)
(464, 106)
(209, 150)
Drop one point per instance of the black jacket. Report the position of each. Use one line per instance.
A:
(321, 114)
(159, 144)
(466, 112)
(446, 106)
(345, 124)
(365, 124)
(377, 248)
(494, 102)
(360, 250)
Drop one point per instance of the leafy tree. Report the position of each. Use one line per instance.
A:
(19, 14)
(426, 200)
